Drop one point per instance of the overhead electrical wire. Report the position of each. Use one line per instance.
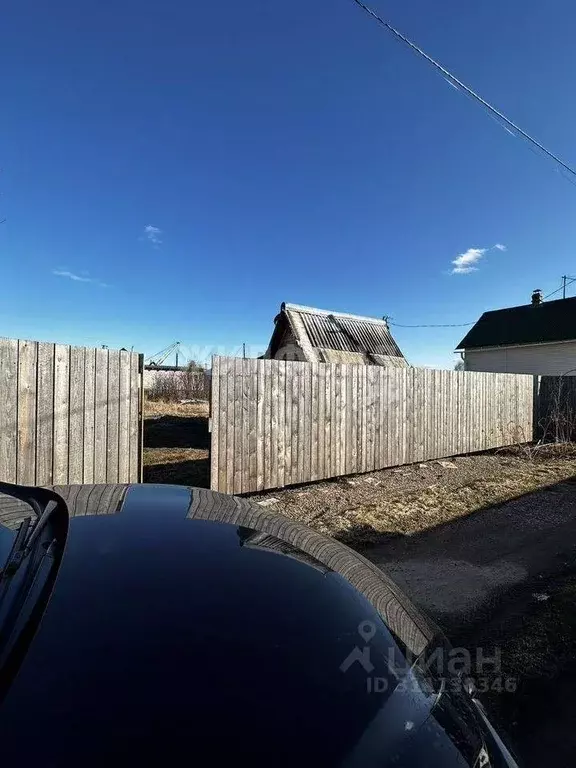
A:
(572, 280)
(462, 325)
(453, 80)
(442, 325)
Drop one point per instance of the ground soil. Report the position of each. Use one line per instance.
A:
(536, 638)
(362, 509)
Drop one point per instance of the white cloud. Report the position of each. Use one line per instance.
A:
(152, 234)
(78, 278)
(463, 270)
(466, 262)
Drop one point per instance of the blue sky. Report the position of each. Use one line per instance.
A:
(276, 152)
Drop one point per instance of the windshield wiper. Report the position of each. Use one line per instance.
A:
(28, 576)
(16, 554)
(46, 505)
(49, 509)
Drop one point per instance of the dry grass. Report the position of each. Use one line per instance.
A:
(163, 408)
(540, 451)
(364, 509)
(181, 466)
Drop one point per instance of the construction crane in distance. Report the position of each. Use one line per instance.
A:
(156, 362)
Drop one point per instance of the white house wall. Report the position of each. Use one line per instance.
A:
(543, 359)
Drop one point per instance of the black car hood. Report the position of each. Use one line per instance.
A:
(194, 626)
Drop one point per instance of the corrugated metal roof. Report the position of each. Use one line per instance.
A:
(359, 358)
(343, 332)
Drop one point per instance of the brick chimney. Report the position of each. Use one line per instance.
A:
(536, 297)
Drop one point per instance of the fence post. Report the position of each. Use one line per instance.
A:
(141, 422)
(535, 408)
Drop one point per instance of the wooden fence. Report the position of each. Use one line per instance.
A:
(69, 414)
(277, 423)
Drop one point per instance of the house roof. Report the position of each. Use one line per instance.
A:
(527, 324)
(339, 337)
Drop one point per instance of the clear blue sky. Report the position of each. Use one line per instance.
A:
(286, 151)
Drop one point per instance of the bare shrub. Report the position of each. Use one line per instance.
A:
(522, 445)
(557, 411)
(173, 386)
(556, 423)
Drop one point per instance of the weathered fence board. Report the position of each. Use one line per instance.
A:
(76, 410)
(136, 429)
(89, 386)
(45, 412)
(64, 419)
(26, 448)
(278, 423)
(61, 408)
(112, 404)
(9, 406)
(124, 415)
(100, 415)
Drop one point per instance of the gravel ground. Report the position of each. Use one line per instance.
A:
(362, 510)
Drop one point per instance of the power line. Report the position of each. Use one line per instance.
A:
(442, 325)
(453, 80)
(565, 281)
(563, 286)
(462, 325)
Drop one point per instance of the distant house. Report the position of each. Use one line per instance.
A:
(538, 338)
(319, 335)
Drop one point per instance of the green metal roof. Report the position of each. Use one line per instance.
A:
(527, 324)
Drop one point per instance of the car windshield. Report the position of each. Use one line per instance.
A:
(13, 512)
(6, 541)
(33, 530)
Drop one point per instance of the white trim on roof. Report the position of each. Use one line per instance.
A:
(327, 313)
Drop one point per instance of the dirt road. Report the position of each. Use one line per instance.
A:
(459, 569)
(505, 578)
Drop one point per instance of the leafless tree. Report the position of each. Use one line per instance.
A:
(173, 386)
(557, 409)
